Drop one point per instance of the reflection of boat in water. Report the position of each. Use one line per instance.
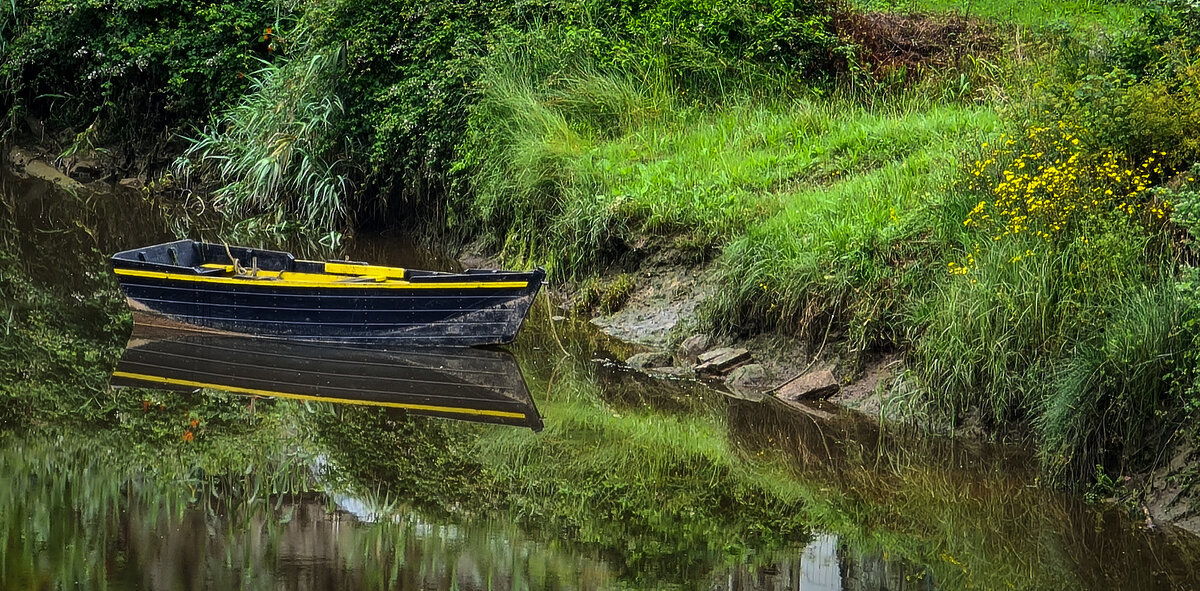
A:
(453, 382)
(267, 293)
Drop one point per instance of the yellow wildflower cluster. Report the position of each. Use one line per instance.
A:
(1045, 188)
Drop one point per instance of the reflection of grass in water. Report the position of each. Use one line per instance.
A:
(613, 475)
(973, 517)
(63, 495)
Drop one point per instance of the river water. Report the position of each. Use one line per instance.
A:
(634, 483)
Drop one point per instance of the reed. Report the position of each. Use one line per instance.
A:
(277, 154)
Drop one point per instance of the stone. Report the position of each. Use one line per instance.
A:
(751, 375)
(691, 348)
(649, 359)
(19, 157)
(719, 361)
(814, 385)
(40, 170)
(132, 183)
(99, 188)
(85, 170)
(672, 371)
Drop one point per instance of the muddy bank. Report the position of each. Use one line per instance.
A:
(658, 316)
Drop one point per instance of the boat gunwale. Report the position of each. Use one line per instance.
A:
(331, 274)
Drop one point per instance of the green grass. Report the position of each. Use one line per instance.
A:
(844, 214)
(577, 169)
(855, 246)
(1040, 14)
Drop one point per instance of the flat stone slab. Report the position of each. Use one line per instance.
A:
(814, 385)
(751, 375)
(41, 170)
(719, 361)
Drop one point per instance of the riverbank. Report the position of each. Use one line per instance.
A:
(665, 482)
(1006, 203)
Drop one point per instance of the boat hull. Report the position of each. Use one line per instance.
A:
(439, 309)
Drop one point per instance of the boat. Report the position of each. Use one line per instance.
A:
(235, 290)
(465, 383)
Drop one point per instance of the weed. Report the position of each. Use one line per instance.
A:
(617, 293)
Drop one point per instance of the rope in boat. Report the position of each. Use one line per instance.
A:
(238, 269)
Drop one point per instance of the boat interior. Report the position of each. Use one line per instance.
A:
(191, 257)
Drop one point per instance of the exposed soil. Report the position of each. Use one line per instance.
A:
(660, 308)
(1170, 495)
(660, 314)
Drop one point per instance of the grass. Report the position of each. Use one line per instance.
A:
(274, 157)
(573, 176)
(851, 212)
(1040, 14)
(856, 246)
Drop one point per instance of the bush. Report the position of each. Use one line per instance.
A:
(125, 61)
(277, 153)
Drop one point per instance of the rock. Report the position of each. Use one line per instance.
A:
(642, 361)
(814, 385)
(99, 188)
(689, 350)
(672, 371)
(719, 361)
(132, 183)
(41, 170)
(752, 375)
(19, 157)
(86, 170)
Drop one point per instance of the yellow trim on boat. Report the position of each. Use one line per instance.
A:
(371, 270)
(238, 389)
(291, 279)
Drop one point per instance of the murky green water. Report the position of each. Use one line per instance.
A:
(634, 483)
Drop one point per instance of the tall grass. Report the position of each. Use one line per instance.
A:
(276, 154)
(853, 240)
(1112, 16)
(573, 165)
(1110, 398)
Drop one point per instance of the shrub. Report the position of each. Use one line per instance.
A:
(1058, 238)
(149, 61)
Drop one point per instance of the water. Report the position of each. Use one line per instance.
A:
(634, 483)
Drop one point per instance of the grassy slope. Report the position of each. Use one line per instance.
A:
(1111, 16)
(849, 212)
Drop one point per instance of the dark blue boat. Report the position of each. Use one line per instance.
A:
(266, 293)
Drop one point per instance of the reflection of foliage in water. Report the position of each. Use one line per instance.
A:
(668, 485)
(104, 520)
(71, 509)
(662, 496)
